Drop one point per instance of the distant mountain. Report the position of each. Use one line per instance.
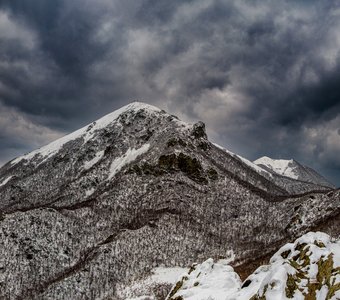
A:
(291, 184)
(137, 190)
(305, 269)
(292, 169)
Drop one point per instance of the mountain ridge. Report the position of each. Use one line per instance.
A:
(176, 201)
(292, 169)
(87, 132)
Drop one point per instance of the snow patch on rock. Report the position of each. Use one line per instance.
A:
(6, 180)
(89, 192)
(209, 280)
(89, 164)
(140, 289)
(129, 156)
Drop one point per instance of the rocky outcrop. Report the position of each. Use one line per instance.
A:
(309, 268)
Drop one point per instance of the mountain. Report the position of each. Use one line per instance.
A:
(292, 169)
(93, 212)
(309, 268)
(289, 184)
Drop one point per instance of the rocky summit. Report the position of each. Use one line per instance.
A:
(90, 214)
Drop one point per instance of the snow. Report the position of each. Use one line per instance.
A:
(129, 156)
(89, 192)
(301, 259)
(86, 133)
(89, 164)
(159, 275)
(322, 294)
(280, 166)
(168, 275)
(6, 180)
(271, 280)
(209, 280)
(276, 273)
(246, 161)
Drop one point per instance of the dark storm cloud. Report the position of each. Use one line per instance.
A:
(64, 35)
(263, 75)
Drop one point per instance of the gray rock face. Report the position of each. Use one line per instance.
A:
(132, 191)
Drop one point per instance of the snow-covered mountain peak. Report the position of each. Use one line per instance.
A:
(285, 167)
(292, 169)
(88, 132)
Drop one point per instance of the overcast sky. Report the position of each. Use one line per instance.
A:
(263, 75)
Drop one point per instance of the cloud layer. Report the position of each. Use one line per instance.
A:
(263, 75)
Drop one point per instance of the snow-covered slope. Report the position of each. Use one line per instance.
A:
(279, 166)
(292, 169)
(309, 268)
(86, 133)
(250, 164)
(209, 280)
(153, 287)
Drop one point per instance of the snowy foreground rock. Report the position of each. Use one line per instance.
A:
(309, 268)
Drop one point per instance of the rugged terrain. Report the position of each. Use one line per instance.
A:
(138, 189)
(308, 269)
